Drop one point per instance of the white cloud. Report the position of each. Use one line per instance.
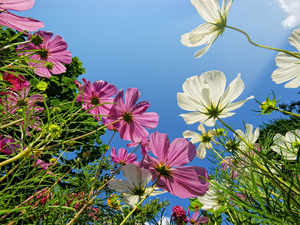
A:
(292, 8)
(165, 221)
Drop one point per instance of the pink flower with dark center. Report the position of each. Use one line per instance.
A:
(18, 22)
(133, 116)
(17, 102)
(184, 182)
(8, 145)
(52, 51)
(178, 214)
(17, 82)
(195, 219)
(99, 92)
(123, 157)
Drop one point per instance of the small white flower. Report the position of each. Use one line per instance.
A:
(289, 66)
(134, 188)
(287, 145)
(206, 95)
(205, 140)
(212, 199)
(249, 136)
(208, 32)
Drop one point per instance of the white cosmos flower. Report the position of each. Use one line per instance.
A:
(289, 66)
(205, 139)
(134, 188)
(207, 97)
(249, 136)
(207, 32)
(287, 145)
(212, 198)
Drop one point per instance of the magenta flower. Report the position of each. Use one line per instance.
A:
(183, 182)
(53, 51)
(41, 164)
(17, 82)
(8, 145)
(122, 157)
(18, 22)
(99, 92)
(178, 214)
(133, 116)
(195, 219)
(17, 102)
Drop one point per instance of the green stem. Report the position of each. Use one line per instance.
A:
(262, 46)
(20, 155)
(19, 43)
(97, 174)
(12, 123)
(138, 204)
(287, 112)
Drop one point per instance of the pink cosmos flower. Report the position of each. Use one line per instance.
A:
(183, 182)
(178, 214)
(195, 219)
(133, 116)
(99, 92)
(8, 145)
(18, 22)
(53, 51)
(122, 157)
(17, 82)
(20, 101)
(41, 164)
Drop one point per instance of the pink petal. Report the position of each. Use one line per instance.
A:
(57, 44)
(181, 152)
(140, 108)
(185, 182)
(17, 5)
(159, 144)
(131, 97)
(19, 23)
(63, 56)
(148, 120)
(114, 156)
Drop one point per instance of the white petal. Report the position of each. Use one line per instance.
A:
(216, 81)
(195, 137)
(120, 185)
(234, 90)
(201, 151)
(195, 117)
(202, 51)
(187, 103)
(130, 199)
(185, 40)
(208, 9)
(202, 34)
(192, 87)
(295, 38)
(202, 129)
(235, 105)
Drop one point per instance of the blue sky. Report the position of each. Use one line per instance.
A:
(136, 43)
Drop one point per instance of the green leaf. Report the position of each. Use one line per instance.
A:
(195, 202)
(13, 210)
